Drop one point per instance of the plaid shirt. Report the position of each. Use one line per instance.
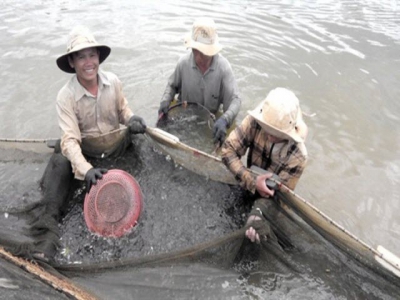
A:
(287, 159)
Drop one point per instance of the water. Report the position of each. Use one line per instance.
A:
(192, 124)
(339, 57)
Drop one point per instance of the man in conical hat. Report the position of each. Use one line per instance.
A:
(204, 76)
(274, 134)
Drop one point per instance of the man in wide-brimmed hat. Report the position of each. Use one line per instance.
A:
(204, 76)
(90, 107)
(274, 134)
(90, 104)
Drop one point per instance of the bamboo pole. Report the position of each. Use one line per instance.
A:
(58, 282)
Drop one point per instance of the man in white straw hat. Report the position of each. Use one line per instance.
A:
(204, 76)
(274, 134)
(90, 107)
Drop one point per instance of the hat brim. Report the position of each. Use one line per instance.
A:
(290, 135)
(209, 50)
(62, 61)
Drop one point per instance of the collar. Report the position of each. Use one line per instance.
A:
(80, 91)
(214, 62)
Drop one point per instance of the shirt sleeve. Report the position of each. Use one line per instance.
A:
(71, 136)
(231, 100)
(124, 112)
(234, 148)
(292, 170)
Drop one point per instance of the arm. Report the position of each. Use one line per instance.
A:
(292, 169)
(235, 147)
(231, 100)
(71, 136)
(124, 112)
(173, 86)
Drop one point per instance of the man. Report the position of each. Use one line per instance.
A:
(90, 107)
(91, 104)
(204, 76)
(274, 134)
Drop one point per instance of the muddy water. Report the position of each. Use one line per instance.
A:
(339, 57)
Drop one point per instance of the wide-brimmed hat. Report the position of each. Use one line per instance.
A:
(81, 38)
(280, 115)
(204, 37)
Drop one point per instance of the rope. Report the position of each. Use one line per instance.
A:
(158, 258)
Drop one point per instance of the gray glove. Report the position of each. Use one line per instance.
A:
(164, 106)
(219, 131)
(92, 176)
(136, 125)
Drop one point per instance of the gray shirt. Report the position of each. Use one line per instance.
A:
(217, 86)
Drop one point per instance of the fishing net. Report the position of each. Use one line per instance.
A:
(192, 123)
(185, 134)
(188, 244)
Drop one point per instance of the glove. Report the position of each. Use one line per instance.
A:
(92, 176)
(136, 125)
(164, 106)
(219, 131)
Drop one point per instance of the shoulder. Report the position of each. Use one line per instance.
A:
(222, 62)
(248, 128)
(185, 59)
(298, 151)
(250, 122)
(108, 76)
(66, 93)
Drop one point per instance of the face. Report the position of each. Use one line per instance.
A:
(86, 64)
(202, 61)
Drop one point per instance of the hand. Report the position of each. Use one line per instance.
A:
(219, 131)
(261, 185)
(251, 233)
(164, 107)
(136, 125)
(92, 176)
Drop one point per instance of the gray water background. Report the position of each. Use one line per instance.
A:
(341, 58)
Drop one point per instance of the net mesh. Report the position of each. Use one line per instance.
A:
(190, 221)
(192, 123)
(186, 136)
(114, 204)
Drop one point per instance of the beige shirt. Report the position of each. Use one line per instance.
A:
(82, 115)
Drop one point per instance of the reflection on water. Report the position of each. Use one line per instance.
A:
(339, 57)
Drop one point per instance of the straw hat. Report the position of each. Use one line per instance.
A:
(204, 37)
(81, 38)
(280, 115)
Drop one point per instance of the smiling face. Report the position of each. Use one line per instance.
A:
(86, 65)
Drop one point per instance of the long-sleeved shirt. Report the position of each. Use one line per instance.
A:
(217, 86)
(286, 159)
(82, 115)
